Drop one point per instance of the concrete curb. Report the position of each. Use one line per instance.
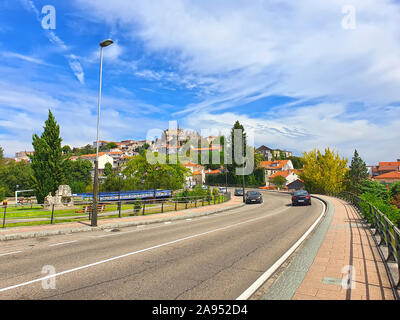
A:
(28, 235)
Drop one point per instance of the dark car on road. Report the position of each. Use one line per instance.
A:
(253, 197)
(238, 192)
(301, 197)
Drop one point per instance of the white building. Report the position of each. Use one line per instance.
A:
(103, 160)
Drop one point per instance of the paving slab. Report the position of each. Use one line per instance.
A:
(340, 261)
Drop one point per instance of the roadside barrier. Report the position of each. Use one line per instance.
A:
(382, 228)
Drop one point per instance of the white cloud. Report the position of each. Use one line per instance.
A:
(312, 127)
(234, 53)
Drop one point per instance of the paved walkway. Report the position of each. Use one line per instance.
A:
(30, 231)
(346, 243)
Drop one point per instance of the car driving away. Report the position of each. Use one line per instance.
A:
(238, 192)
(253, 197)
(301, 197)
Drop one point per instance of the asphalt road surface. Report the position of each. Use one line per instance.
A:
(213, 257)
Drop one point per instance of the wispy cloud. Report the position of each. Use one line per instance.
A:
(13, 55)
(73, 60)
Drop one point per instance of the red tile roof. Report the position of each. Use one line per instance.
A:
(284, 174)
(191, 164)
(269, 164)
(214, 172)
(92, 155)
(389, 175)
(389, 164)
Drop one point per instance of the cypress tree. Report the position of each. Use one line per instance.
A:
(358, 170)
(47, 160)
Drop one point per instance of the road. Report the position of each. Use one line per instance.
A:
(213, 257)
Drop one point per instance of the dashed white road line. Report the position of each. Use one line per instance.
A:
(62, 243)
(137, 252)
(8, 253)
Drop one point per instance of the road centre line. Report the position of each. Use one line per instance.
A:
(138, 251)
(8, 253)
(61, 243)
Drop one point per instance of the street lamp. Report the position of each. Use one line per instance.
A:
(103, 44)
(119, 174)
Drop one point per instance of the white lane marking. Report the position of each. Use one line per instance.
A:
(61, 243)
(168, 222)
(188, 219)
(8, 253)
(264, 277)
(137, 252)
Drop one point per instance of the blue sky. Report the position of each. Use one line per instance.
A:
(288, 70)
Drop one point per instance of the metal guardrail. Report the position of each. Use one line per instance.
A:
(389, 234)
(13, 215)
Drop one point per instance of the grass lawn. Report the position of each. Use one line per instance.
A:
(126, 210)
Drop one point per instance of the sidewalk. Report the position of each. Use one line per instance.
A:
(346, 243)
(82, 226)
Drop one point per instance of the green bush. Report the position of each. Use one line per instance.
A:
(137, 206)
(382, 205)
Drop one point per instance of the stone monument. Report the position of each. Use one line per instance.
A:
(62, 199)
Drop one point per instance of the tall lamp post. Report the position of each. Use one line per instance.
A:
(119, 174)
(103, 44)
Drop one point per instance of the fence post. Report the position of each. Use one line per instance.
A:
(52, 213)
(119, 209)
(4, 217)
(186, 205)
(202, 202)
(389, 243)
(379, 226)
(195, 203)
(176, 204)
(144, 206)
(162, 207)
(397, 245)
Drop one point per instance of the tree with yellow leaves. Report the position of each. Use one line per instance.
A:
(323, 173)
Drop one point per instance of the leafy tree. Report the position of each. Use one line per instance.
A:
(88, 149)
(2, 194)
(395, 189)
(278, 181)
(46, 160)
(66, 150)
(374, 187)
(108, 146)
(358, 172)
(108, 169)
(296, 161)
(233, 148)
(112, 183)
(1, 156)
(15, 173)
(323, 173)
(142, 149)
(77, 174)
(145, 175)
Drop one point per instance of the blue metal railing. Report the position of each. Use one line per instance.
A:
(126, 195)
